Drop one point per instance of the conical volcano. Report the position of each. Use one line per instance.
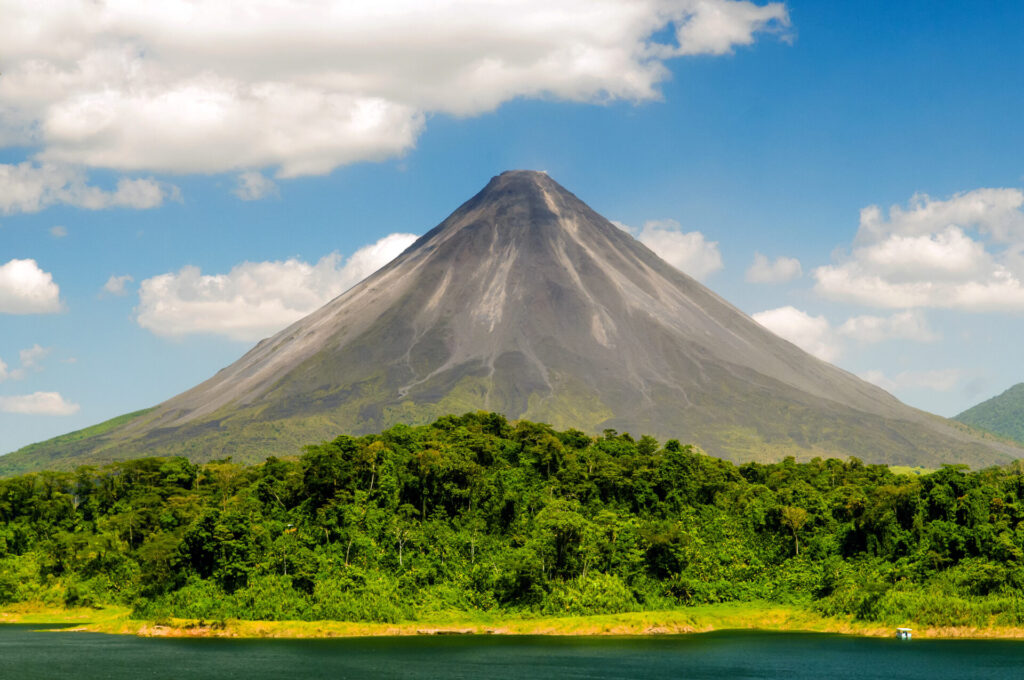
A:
(527, 302)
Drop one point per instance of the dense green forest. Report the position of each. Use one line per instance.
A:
(474, 513)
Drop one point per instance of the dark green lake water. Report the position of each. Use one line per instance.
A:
(26, 654)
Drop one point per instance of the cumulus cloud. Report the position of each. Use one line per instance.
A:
(117, 285)
(27, 289)
(813, 334)
(965, 252)
(255, 299)
(995, 212)
(779, 270)
(58, 231)
(253, 186)
(936, 380)
(213, 86)
(716, 27)
(688, 252)
(29, 187)
(816, 335)
(38, 403)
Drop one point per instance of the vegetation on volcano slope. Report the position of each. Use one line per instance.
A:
(1003, 414)
(473, 514)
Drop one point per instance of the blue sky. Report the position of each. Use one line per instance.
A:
(714, 130)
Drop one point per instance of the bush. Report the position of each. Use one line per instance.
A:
(594, 594)
(355, 595)
(197, 599)
(80, 594)
(270, 597)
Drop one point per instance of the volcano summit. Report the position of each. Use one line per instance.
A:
(527, 302)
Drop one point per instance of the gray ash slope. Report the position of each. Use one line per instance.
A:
(527, 302)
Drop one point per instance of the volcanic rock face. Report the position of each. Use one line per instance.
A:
(527, 302)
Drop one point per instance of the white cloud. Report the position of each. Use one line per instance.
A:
(813, 334)
(29, 187)
(935, 380)
(779, 270)
(909, 325)
(253, 186)
(996, 212)
(185, 86)
(965, 253)
(31, 357)
(688, 252)
(27, 289)
(255, 299)
(58, 231)
(38, 403)
(117, 285)
(715, 27)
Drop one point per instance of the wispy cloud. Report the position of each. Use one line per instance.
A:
(939, 380)
(38, 403)
(29, 187)
(779, 270)
(252, 186)
(30, 359)
(118, 285)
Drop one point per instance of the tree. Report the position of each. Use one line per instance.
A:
(794, 519)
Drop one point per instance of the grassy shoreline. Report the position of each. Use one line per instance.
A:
(700, 619)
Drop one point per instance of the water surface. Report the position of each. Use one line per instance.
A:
(27, 654)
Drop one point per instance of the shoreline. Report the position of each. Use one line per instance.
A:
(699, 619)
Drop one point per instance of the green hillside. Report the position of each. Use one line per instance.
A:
(1002, 415)
(67, 451)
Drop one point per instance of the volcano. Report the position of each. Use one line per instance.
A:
(527, 302)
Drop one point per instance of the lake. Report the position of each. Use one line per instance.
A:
(28, 654)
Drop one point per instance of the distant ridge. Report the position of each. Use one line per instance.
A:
(527, 302)
(1002, 415)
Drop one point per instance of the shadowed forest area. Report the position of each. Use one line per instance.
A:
(473, 513)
